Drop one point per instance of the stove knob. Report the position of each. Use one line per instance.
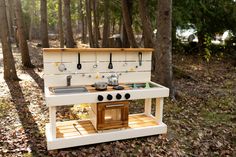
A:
(100, 97)
(109, 97)
(127, 96)
(118, 96)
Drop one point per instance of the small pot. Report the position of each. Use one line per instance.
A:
(100, 85)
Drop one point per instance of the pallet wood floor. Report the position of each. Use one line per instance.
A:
(85, 127)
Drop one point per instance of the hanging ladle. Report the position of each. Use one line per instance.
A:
(62, 66)
(79, 66)
(110, 66)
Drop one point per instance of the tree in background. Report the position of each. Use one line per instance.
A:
(44, 23)
(21, 35)
(146, 24)
(95, 21)
(127, 23)
(163, 61)
(60, 26)
(68, 28)
(82, 21)
(89, 23)
(106, 25)
(8, 60)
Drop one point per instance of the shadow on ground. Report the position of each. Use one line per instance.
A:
(36, 78)
(36, 141)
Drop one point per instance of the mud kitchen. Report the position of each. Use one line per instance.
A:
(107, 79)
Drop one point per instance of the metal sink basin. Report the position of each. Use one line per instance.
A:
(67, 90)
(142, 85)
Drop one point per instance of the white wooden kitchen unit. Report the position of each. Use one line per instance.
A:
(62, 78)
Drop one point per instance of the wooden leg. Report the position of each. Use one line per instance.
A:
(148, 106)
(52, 121)
(159, 110)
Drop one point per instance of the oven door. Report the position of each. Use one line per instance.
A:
(112, 115)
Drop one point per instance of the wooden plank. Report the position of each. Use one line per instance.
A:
(98, 49)
(148, 106)
(103, 137)
(87, 68)
(78, 128)
(52, 121)
(79, 79)
(159, 109)
(71, 122)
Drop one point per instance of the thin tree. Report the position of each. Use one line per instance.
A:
(106, 26)
(68, 29)
(95, 20)
(89, 23)
(44, 23)
(164, 44)
(8, 60)
(32, 30)
(128, 23)
(21, 35)
(146, 24)
(82, 20)
(60, 27)
(9, 11)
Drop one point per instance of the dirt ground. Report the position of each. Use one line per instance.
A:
(201, 122)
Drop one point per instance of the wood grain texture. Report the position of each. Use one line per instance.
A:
(98, 50)
(85, 127)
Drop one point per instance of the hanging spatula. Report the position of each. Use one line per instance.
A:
(79, 66)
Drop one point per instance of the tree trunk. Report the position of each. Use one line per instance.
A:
(128, 24)
(124, 37)
(146, 24)
(68, 29)
(89, 23)
(106, 26)
(8, 60)
(163, 61)
(21, 35)
(9, 9)
(32, 21)
(95, 19)
(44, 23)
(113, 26)
(60, 27)
(82, 19)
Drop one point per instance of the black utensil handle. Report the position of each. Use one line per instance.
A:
(110, 66)
(78, 58)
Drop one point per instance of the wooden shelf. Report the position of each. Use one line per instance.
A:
(98, 50)
(85, 127)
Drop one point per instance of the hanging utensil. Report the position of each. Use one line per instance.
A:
(140, 58)
(96, 61)
(62, 66)
(110, 66)
(125, 64)
(79, 66)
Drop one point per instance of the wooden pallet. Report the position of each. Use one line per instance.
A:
(85, 127)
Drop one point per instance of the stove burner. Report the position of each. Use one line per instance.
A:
(118, 87)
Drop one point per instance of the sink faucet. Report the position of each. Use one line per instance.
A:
(68, 80)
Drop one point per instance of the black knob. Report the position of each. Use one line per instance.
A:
(109, 97)
(100, 97)
(118, 96)
(127, 96)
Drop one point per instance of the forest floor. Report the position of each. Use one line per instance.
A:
(201, 122)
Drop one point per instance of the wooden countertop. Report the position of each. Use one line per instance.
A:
(98, 50)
